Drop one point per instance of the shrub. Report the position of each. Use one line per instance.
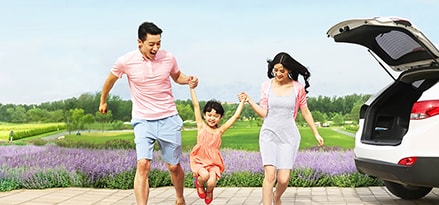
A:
(355, 180)
(77, 144)
(241, 179)
(123, 180)
(305, 178)
(49, 178)
(117, 125)
(9, 184)
(119, 144)
(38, 142)
(37, 131)
(109, 144)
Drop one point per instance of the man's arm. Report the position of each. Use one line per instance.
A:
(180, 78)
(109, 82)
(183, 79)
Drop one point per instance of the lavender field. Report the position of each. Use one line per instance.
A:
(52, 166)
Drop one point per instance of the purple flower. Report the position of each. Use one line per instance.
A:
(23, 162)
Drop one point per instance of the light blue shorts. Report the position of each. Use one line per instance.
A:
(167, 133)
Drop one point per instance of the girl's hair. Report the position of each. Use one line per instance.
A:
(294, 67)
(213, 104)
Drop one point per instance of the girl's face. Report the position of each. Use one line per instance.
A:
(280, 73)
(212, 118)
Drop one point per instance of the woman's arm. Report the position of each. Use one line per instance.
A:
(310, 121)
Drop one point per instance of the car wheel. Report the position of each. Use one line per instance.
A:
(407, 192)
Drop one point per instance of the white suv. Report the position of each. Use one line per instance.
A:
(398, 136)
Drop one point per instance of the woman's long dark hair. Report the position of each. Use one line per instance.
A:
(294, 67)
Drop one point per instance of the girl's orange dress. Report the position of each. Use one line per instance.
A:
(206, 153)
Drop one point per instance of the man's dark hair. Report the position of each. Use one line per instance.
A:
(148, 27)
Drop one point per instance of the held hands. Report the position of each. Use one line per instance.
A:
(192, 82)
(243, 97)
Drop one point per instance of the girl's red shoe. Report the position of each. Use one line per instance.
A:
(202, 195)
(208, 200)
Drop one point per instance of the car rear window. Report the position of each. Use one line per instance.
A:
(390, 43)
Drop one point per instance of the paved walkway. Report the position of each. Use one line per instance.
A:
(223, 196)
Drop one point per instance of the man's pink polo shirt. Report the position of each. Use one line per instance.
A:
(150, 84)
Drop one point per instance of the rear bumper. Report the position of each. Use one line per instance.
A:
(425, 172)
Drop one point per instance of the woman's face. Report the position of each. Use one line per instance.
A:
(280, 73)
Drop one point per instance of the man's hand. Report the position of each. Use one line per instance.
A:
(103, 108)
(192, 81)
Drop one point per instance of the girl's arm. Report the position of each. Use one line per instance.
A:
(197, 112)
(310, 121)
(235, 116)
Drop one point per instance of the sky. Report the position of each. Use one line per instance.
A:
(52, 50)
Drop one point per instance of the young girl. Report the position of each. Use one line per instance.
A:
(205, 159)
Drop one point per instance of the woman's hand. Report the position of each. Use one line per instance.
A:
(320, 140)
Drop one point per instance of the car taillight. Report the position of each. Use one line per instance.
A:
(424, 109)
(408, 161)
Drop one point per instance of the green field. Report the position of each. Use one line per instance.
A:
(243, 136)
(234, 138)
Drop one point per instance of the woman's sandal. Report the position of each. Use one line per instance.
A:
(202, 195)
(208, 200)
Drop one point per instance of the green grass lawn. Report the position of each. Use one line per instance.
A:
(101, 137)
(247, 138)
(244, 135)
(235, 138)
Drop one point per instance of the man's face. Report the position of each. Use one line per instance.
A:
(150, 46)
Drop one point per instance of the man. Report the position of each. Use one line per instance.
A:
(154, 114)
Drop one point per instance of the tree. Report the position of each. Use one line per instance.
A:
(355, 112)
(121, 109)
(56, 116)
(103, 118)
(88, 119)
(338, 119)
(319, 117)
(185, 111)
(17, 114)
(5, 116)
(77, 118)
(57, 111)
(38, 115)
(87, 102)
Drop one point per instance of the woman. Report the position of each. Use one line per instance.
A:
(279, 139)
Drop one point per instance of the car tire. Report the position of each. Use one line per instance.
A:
(407, 192)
